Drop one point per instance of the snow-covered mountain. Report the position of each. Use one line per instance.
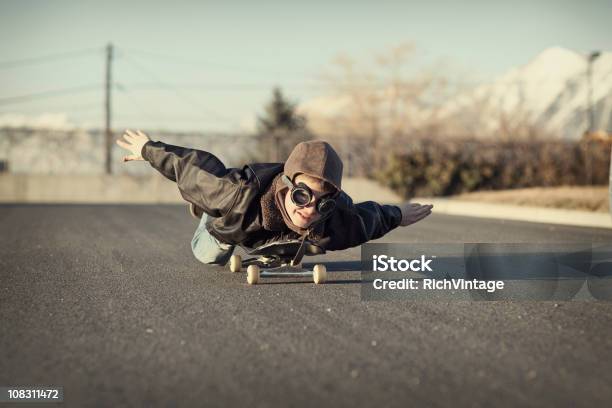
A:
(548, 95)
(550, 92)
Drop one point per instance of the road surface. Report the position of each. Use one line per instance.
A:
(108, 302)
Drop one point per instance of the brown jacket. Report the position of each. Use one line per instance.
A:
(238, 201)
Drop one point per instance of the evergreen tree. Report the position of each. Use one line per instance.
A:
(280, 128)
(280, 114)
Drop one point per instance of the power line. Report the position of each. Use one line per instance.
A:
(72, 108)
(202, 62)
(48, 94)
(192, 103)
(222, 87)
(48, 58)
(199, 63)
(151, 117)
(172, 118)
(126, 92)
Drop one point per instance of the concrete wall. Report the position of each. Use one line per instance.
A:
(79, 151)
(87, 189)
(34, 188)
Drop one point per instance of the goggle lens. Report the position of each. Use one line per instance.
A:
(301, 196)
(326, 206)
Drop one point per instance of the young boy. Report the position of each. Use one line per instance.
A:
(265, 202)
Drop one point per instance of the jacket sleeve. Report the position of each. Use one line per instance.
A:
(355, 224)
(378, 219)
(201, 177)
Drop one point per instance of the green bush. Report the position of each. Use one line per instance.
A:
(442, 168)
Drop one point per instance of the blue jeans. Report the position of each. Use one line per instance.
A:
(208, 249)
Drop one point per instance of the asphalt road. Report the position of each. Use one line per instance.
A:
(108, 302)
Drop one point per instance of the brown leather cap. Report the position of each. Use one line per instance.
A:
(315, 158)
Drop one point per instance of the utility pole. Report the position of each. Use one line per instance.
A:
(592, 57)
(107, 108)
(591, 112)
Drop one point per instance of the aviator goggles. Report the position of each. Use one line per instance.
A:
(301, 196)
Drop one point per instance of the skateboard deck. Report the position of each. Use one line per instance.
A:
(275, 260)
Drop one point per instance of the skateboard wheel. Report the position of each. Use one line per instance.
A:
(235, 263)
(319, 274)
(252, 274)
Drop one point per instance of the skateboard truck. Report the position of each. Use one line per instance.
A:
(277, 260)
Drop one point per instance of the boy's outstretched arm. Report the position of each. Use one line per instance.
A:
(201, 177)
(379, 219)
(359, 223)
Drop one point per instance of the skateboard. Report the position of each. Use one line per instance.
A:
(276, 260)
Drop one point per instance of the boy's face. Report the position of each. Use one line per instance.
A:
(305, 216)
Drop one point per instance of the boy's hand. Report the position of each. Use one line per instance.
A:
(412, 213)
(134, 141)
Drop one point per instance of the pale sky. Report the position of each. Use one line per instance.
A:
(200, 65)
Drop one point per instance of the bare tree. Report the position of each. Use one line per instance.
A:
(383, 102)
